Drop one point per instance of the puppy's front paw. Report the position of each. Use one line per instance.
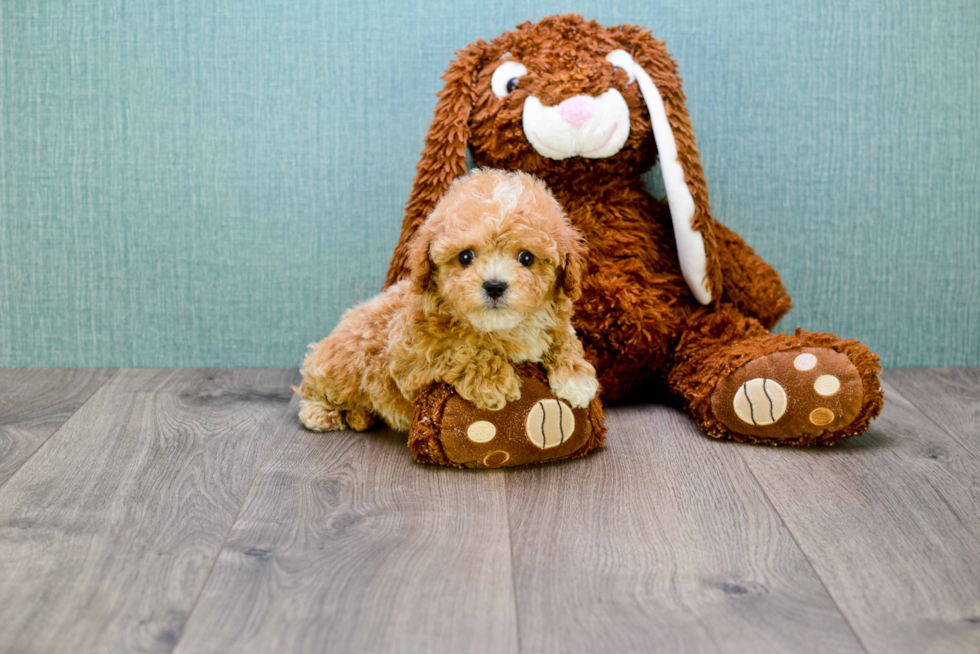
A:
(320, 416)
(490, 394)
(576, 389)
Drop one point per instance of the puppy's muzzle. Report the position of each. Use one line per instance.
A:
(495, 289)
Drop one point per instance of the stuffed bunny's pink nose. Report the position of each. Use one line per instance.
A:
(575, 111)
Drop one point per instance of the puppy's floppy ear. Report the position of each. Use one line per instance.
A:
(418, 263)
(444, 156)
(646, 59)
(569, 280)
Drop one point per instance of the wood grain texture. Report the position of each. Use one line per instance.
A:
(661, 542)
(189, 511)
(891, 523)
(108, 533)
(35, 403)
(950, 397)
(346, 545)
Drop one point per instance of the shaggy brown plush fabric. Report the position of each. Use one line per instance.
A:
(637, 318)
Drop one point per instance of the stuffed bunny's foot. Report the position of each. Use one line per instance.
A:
(537, 427)
(800, 393)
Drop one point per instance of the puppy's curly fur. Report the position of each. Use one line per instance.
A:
(495, 271)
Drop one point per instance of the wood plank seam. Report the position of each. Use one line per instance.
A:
(931, 620)
(169, 449)
(926, 412)
(670, 560)
(513, 568)
(359, 554)
(806, 556)
(291, 409)
(964, 450)
(67, 419)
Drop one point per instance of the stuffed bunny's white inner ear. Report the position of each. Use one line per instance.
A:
(690, 243)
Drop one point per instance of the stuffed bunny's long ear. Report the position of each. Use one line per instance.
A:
(690, 221)
(444, 155)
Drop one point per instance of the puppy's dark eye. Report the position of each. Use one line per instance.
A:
(525, 258)
(466, 257)
(512, 85)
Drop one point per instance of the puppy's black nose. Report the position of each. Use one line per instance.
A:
(494, 289)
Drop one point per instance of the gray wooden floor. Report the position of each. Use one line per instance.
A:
(187, 511)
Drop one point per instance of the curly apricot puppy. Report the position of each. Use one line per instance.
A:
(495, 270)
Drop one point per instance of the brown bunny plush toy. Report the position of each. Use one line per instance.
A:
(672, 299)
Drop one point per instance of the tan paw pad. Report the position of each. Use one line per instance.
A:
(550, 423)
(821, 416)
(805, 361)
(481, 431)
(826, 385)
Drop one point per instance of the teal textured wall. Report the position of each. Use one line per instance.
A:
(191, 185)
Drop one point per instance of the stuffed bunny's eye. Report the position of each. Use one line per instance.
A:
(505, 78)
